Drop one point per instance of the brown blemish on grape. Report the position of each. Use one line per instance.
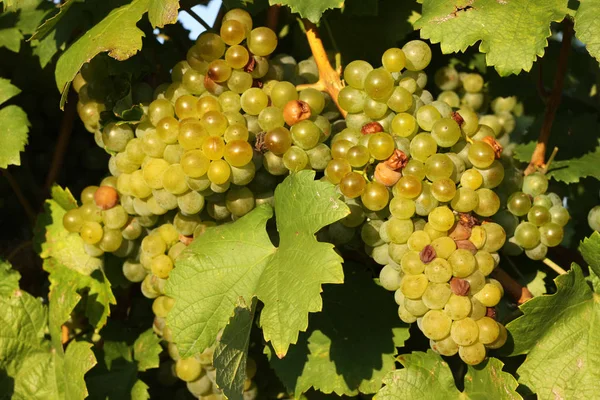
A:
(386, 175)
(458, 118)
(494, 144)
(249, 67)
(257, 83)
(295, 111)
(428, 254)
(466, 245)
(491, 312)
(186, 239)
(459, 287)
(397, 160)
(371, 127)
(106, 197)
(259, 145)
(468, 219)
(460, 231)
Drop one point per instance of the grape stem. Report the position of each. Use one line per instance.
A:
(555, 267)
(518, 292)
(273, 17)
(188, 9)
(329, 78)
(64, 135)
(539, 154)
(20, 196)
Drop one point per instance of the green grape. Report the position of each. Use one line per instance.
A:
(413, 286)
(476, 281)
(152, 145)
(489, 296)
(436, 295)
(408, 187)
(111, 240)
(73, 220)
(314, 99)
(402, 208)
(493, 175)
(389, 278)
(270, 118)
(417, 55)
(336, 170)
(414, 168)
(169, 234)
(471, 179)
(185, 224)
(463, 263)
(124, 164)
(401, 100)
(262, 41)
(167, 130)
(425, 203)
(405, 316)
(427, 116)
(154, 208)
(478, 236)
(495, 237)
(295, 159)
(381, 145)
(194, 163)
(446, 347)
(352, 100)
(441, 218)
(240, 15)
(274, 165)
(197, 184)
(555, 199)
(261, 67)
(481, 154)
(188, 369)
(305, 134)
(238, 153)
(185, 106)
(464, 331)
(473, 354)
(240, 82)
(432, 232)
(114, 218)
(356, 72)
(422, 147)
(352, 185)
(135, 150)
(369, 233)
(538, 215)
(485, 262)
(551, 234)
(239, 201)
(519, 204)
(478, 310)
(230, 103)
(450, 98)
(147, 288)
(215, 123)
(458, 307)
(535, 184)
(418, 240)
(404, 125)
(233, 32)
(160, 109)
(375, 197)
(393, 59)
(253, 101)
(339, 148)
(282, 93)
(411, 263)
(438, 166)
(210, 46)
(153, 245)
(91, 212)
(472, 82)
(134, 272)
(465, 200)
(443, 190)
(488, 204)
(358, 156)
(489, 330)
(115, 137)
(190, 203)
(379, 84)
(173, 179)
(559, 215)
(444, 246)
(438, 271)
(193, 82)
(319, 156)
(236, 132)
(399, 230)
(436, 325)
(446, 132)
(278, 140)
(207, 103)
(219, 172)
(415, 307)
(162, 305)
(161, 266)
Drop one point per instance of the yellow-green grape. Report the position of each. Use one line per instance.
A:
(471, 179)
(295, 159)
(441, 218)
(238, 153)
(236, 132)
(352, 185)
(168, 130)
(239, 82)
(210, 46)
(446, 347)
(438, 166)
(489, 202)
(417, 55)
(192, 134)
(464, 331)
(472, 83)
(551, 234)
(219, 71)
(489, 330)
(473, 354)
(206, 104)
(305, 134)
(193, 82)
(73, 220)
(195, 60)
(336, 170)
(489, 295)
(379, 84)
(413, 286)
(481, 154)
(135, 150)
(358, 156)
(162, 305)
(138, 186)
(443, 189)
(230, 102)
(339, 149)
(411, 263)
(535, 184)
(161, 266)
(393, 59)
(219, 172)
(415, 307)
(408, 187)
(449, 97)
(352, 100)
(262, 41)
(91, 212)
(185, 107)
(446, 132)
(381, 145)
(375, 196)
(402, 208)
(436, 325)
(159, 109)
(87, 194)
(173, 153)
(401, 100)
(114, 218)
(91, 232)
(173, 179)
(423, 146)
(427, 116)
(436, 295)
(194, 163)
(115, 137)
(152, 145)
(241, 16)
(111, 240)
(356, 72)
(153, 172)
(213, 147)
(314, 99)
(237, 56)
(233, 32)
(282, 93)
(414, 168)
(458, 307)
(270, 118)
(418, 240)
(254, 100)
(215, 123)
(404, 125)
(239, 201)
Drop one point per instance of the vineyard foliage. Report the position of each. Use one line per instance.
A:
(303, 294)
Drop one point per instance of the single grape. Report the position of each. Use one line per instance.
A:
(417, 55)
(295, 159)
(535, 184)
(375, 197)
(473, 354)
(352, 185)
(356, 72)
(519, 204)
(436, 325)
(379, 84)
(551, 234)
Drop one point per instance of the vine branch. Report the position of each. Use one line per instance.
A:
(188, 9)
(20, 196)
(539, 154)
(273, 17)
(329, 79)
(514, 289)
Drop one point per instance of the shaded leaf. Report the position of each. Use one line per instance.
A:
(11, 39)
(9, 279)
(309, 9)
(51, 22)
(590, 250)
(146, 350)
(14, 127)
(587, 26)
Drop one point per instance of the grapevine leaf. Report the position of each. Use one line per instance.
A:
(146, 350)
(65, 284)
(239, 260)
(51, 22)
(427, 376)
(590, 250)
(309, 9)
(55, 241)
(231, 354)
(512, 33)
(587, 26)
(550, 324)
(346, 363)
(537, 286)
(163, 12)
(11, 39)
(14, 127)
(7, 90)
(139, 391)
(523, 151)
(116, 34)
(9, 279)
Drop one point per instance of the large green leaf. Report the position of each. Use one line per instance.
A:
(590, 250)
(14, 126)
(239, 260)
(310, 9)
(11, 39)
(231, 354)
(587, 26)
(116, 34)
(512, 33)
(163, 12)
(558, 333)
(334, 356)
(427, 376)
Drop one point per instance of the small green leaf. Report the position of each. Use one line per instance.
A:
(239, 260)
(524, 151)
(551, 324)
(333, 356)
(231, 354)
(163, 12)
(51, 22)
(590, 250)
(9, 279)
(512, 33)
(587, 26)
(14, 127)
(11, 39)
(146, 350)
(116, 34)
(309, 9)
(427, 376)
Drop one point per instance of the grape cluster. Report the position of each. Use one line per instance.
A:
(536, 218)
(419, 175)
